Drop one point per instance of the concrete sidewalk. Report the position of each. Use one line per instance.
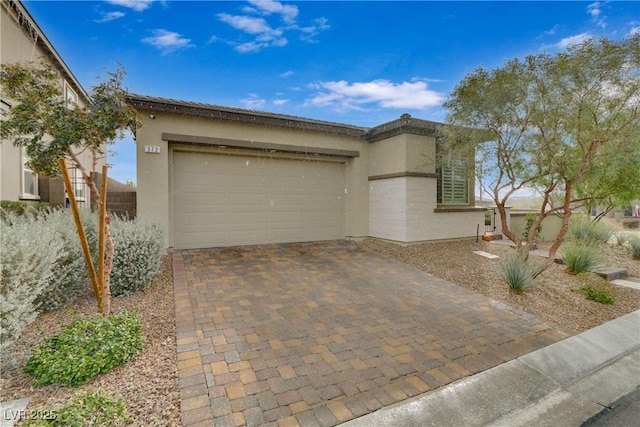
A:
(563, 384)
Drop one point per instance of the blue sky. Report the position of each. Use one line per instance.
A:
(359, 63)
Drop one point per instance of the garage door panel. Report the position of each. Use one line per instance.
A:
(223, 200)
(193, 221)
(190, 199)
(247, 199)
(294, 202)
(284, 217)
(245, 237)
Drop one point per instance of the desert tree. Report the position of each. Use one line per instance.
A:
(55, 132)
(565, 125)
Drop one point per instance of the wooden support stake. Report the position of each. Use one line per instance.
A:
(101, 228)
(81, 234)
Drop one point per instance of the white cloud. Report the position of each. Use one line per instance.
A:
(269, 33)
(109, 16)
(286, 74)
(383, 93)
(167, 41)
(254, 102)
(633, 32)
(280, 101)
(245, 23)
(289, 13)
(137, 5)
(265, 36)
(248, 47)
(309, 32)
(573, 40)
(595, 10)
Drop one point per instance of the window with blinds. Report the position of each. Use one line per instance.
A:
(453, 184)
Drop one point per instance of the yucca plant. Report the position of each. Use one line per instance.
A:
(634, 247)
(581, 229)
(518, 273)
(579, 257)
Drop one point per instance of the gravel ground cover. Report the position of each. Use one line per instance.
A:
(554, 298)
(149, 383)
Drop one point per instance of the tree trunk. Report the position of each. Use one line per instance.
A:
(564, 228)
(104, 287)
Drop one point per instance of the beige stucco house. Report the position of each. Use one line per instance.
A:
(22, 40)
(216, 176)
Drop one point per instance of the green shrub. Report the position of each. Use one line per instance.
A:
(70, 275)
(22, 208)
(604, 294)
(530, 218)
(86, 347)
(634, 247)
(518, 273)
(91, 408)
(580, 257)
(137, 257)
(581, 229)
(28, 258)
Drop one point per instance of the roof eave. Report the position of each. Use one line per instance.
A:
(404, 125)
(146, 103)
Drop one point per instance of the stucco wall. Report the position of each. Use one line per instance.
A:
(388, 156)
(405, 153)
(387, 209)
(404, 209)
(550, 226)
(403, 194)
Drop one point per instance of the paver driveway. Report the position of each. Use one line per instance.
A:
(320, 333)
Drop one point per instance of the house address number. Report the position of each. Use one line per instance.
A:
(151, 149)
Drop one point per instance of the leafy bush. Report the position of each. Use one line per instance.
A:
(581, 229)
(518, 273)
(137, 257)
(70, 274)
(28, 258)
(602, 293)
(530, 218)
(580, 258)
(91, 408)
(86, 347)
(634, 247)
(21, 208)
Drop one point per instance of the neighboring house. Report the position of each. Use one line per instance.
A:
(216, 176)
(22, 40)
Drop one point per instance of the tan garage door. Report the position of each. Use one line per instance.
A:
(228, 200)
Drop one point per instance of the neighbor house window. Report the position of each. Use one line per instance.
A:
(453, 183)
(78, 184)
(70, 96)
(29, 183)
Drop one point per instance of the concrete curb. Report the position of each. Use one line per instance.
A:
(563, 384)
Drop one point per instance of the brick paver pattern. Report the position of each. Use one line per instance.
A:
(316, 334)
